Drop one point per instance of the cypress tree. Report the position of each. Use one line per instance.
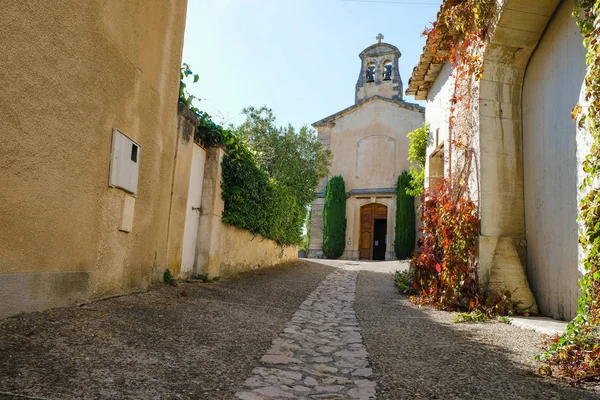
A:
(334, 218)
(404, 243)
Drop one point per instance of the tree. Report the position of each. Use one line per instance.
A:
(334, 218)
(295, 159)
(404, 243)
(417, 153)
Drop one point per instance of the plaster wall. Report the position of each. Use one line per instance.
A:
(370, 150)
(72, 72)
(552, 86)
(369, 145)
(503, 245)
(224, 250)
(437, 115)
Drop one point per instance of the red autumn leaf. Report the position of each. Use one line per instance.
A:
(438, 268)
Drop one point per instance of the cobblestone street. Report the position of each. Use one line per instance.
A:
(307, 330)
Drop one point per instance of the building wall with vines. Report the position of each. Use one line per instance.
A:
(488, 45)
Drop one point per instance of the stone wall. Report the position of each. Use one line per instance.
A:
(224, 250)
(78, 70)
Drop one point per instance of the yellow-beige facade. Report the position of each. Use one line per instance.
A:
(102, 181)
(73, 72)
(370, 150)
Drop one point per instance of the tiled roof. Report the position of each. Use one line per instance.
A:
(428, 69)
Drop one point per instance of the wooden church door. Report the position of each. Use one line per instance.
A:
(368, 214)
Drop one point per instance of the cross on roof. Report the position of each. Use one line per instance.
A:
(379, 37)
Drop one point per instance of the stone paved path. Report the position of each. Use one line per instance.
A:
(319, 354)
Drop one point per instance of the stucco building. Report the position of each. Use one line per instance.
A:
(370, 150)
(89, 135)
(104, 184)
(528, 149)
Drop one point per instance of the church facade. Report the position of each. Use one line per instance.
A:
(370, 150)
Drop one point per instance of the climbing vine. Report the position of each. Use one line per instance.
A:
(446, 263)
(269, 174)
(458, 38)
(576, 354)
(208, 133)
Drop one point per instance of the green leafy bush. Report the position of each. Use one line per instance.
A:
(474, 316)
(404, 242)
(404, 282)
(334, 218)
(417, 153)
(255, 202)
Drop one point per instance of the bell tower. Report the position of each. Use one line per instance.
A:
(379, 72)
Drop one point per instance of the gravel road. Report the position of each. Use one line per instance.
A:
(203, 341)
(420, 353)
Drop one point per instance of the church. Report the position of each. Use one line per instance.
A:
(370, 150)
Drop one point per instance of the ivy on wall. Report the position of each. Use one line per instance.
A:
(445, 263)
(269, 174)
(208, 133)
(255, 202)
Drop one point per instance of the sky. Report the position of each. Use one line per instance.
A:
(297, 57)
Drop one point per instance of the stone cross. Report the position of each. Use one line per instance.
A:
(379, 37)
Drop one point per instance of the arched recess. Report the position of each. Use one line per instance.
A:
(503, 249)
(378, 170)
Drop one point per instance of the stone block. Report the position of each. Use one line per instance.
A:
(507, 273)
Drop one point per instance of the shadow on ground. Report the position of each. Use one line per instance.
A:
(420, 353)
(196, 341)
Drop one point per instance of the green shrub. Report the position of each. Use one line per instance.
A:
(168, 278)
(334, 218)
(404, 282)
(404, 243)
(474, 316)
(417, 153)
(255, 202)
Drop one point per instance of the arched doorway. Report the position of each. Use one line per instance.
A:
(373, 232)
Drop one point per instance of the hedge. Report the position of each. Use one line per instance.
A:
(334, 218)
(404, 242)
(255, 202)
